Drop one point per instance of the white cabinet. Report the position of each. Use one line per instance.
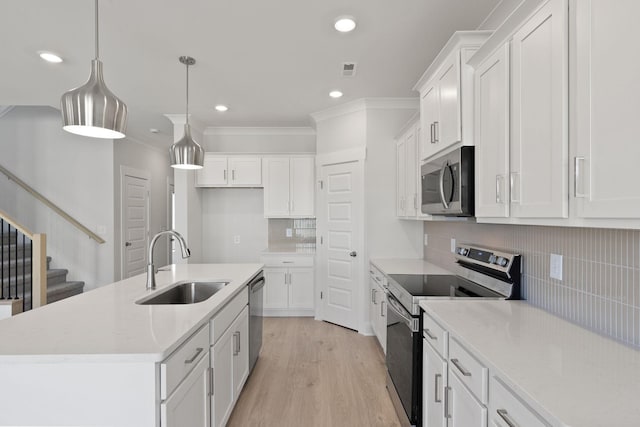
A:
(446, 107)
(230, 171)
(289, 187)
(539, 112)
(605, 148)
(434, 381)
(507, 409)
(289, 285)
(401, 185)
(408, 180)
(462, 408)
(378, 306)
(492, 135)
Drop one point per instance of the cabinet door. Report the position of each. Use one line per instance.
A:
(240, 328)
(448, 129)
(223, 390)
(539, 110)
(189, 403)
(411, 174)
(492, 135)
(301, 288)
(507, 409)
(401, 160)
(276, 187)
(607, 105)
(302, 174)
(462, 409)
(213, 173)
(381, 327)
(276, 288)
(434, 381)
(428, 117)
(245, 171)
(373, 305)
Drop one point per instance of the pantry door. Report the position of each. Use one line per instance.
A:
(341, 188)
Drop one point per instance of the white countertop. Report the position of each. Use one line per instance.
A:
(574, 376)
(107, 325)
(407, 266)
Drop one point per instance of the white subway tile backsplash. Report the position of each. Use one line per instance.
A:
(600, 289)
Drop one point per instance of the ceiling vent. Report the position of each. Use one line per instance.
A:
(348, 69)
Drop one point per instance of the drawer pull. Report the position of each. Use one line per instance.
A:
(236, 343)
(461, 368)
(446, 402)
(430, 335)
(195, 356)
(435, 398)
(507, 419)
(287, 262)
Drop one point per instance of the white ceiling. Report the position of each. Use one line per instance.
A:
(272, 61)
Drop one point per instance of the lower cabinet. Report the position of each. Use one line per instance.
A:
(506, 409)
(189, 403)
(462, 408)
(378, 306)
(289, 286)
(434, 378)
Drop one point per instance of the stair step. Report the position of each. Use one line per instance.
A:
(11, 250)
(64, 290)
(57, 275)
(27, 264)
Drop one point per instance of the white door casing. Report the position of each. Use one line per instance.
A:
(340, 218)
(135, 194)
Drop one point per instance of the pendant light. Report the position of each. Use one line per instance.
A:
(92, 109)
(187, 153)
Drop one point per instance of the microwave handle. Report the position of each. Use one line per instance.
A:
(442, 171)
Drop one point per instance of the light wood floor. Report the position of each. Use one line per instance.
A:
(313, 373)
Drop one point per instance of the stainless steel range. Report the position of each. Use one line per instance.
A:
(481, 273)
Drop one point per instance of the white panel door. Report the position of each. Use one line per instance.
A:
(342, 213)
(189, 403)
(135, 223)
(539, 111)
(411, 174)
(214, 171)
(302, 174)
(223, 390)
(434, 381)
(245, 171)
(607, 151)
(240, 328)
(276, 187)
(301, 288)
(276, 288)
(401, 176)
(448, 130)
(492, 135)
(428, 117)
(464, 409)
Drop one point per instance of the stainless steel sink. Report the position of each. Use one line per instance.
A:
(185, 293)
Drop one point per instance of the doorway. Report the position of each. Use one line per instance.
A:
(134, 215)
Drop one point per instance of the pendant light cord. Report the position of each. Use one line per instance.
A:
(97, 42)
(187, 64)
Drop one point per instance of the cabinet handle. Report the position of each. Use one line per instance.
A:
(236, 343)
(210, 382)
(436, 132)
(225, 174)
(233, 175)
(446, 402)
(415, 201)
(437, 389)
(430, 335)
(512, 184)
(383, 311)
(287, 262)
(507, 419)
(577, 176)
(373, 296)
(432, 139)
(461, 368)
(195, 356)
(498, 192)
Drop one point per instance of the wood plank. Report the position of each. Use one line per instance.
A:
(315, 373)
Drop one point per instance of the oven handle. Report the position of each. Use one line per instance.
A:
(442, 172)
(400, 311)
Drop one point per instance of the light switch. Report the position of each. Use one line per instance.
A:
(426, 239)
(555, 270)
(289, 232)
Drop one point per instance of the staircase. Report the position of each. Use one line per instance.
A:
(58, 287)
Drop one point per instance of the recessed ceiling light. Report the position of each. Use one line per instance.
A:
(335, 94)
(50, 57)
(221, 108)
(344, 24)
(154, 130)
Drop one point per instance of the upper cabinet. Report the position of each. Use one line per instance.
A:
(408, 200)
(605, 146)
(289, 187)
(230, 171)
(446, 92)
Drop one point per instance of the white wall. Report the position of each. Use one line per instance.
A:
(342, 132)
(499, 14)
(155, 162)
(260, 140)
(74, 172)
(233, 212)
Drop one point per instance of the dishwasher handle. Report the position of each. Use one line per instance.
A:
(257, 285)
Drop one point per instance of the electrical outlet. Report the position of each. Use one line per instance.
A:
(453, 245)
(289, 232)
(236, 239)
(426, 239)
(555, 270)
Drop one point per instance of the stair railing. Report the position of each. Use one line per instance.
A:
(28, 289)
(51, 205)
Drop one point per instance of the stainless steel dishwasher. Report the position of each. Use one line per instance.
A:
(256, 295)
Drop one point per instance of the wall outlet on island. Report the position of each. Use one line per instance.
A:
(236, 239)
(426, 239)
(289, 232)
(453, 245)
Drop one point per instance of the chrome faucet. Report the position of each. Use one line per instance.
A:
(151, 270)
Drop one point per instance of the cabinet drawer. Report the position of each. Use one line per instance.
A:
(507, 409)
(287, 260)
(377, 276)
(470, 371)
(229, 312)
(182, 361)
(435, 335)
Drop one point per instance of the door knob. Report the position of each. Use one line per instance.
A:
(353, 254)
(127, 244)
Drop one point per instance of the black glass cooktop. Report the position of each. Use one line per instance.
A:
(437, 285)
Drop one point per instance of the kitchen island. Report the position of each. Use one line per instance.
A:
(101, 359)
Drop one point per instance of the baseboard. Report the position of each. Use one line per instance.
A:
(285, 312)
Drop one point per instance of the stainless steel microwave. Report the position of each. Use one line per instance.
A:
(447, 184)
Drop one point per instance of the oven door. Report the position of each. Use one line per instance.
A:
(403, 357)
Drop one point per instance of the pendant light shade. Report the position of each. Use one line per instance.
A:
(187, 153)
(92, 109)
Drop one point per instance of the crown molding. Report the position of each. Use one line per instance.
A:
(259, 131)
(367, 104)
(181, 119)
